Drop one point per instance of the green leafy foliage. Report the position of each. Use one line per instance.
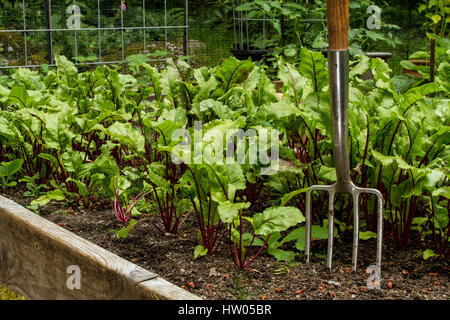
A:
(123, 233)
(437, 13)
(442, 62)
(7, 170)
(101, 134)
(276, 220)
(200, 251)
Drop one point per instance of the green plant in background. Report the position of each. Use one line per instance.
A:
(286, 28)
(222, 13)
(289, 29)
(84, 61)
(437, 13)
(136, 60)
(363, 39)
(442, 62)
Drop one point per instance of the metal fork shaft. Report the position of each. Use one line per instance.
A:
(338, 72)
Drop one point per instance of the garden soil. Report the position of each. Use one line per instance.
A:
(405, 275)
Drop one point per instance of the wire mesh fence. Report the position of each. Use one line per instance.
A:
(91, 32)
(107, 31)
(254, 31)
(411, 33)
(210, 35)
(241, 30)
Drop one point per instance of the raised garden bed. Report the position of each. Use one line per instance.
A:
(404, 275)
(97, 140)
(36, 254)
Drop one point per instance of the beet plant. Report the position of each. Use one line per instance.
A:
(270, 221)
(160, 132)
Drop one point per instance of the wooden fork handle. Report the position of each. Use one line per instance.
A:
(338, 24)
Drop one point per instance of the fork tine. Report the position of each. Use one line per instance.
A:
(355, 192)
(330, 228)
(308, 224)
(308, 217)
(355, 230)
(380, 229)
(379, 222)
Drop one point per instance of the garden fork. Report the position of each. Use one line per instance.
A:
(338, 67)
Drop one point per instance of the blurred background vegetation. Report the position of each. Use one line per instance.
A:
(211, 28)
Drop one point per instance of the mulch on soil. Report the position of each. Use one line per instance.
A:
(404, 275)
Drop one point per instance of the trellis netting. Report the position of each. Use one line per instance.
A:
(89, 31)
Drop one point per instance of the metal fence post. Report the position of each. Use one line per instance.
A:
(186, 29)
(165, 24)
(144, 25)
(48, 20)
(25, 32)
(75, 38)
(122, 34)
(99, 32)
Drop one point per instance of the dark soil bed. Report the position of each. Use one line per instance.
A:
(404, 275)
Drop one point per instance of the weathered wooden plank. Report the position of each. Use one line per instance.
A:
(35, 255)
